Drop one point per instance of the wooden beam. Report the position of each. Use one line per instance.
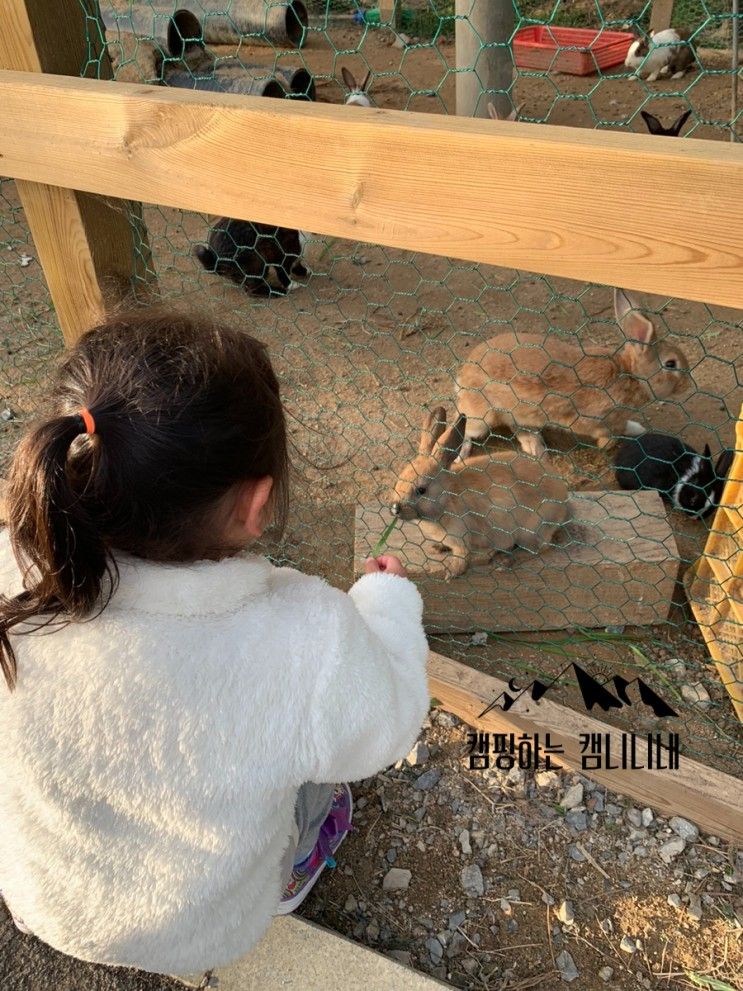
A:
(707, 797)
(557, 200)
(85, 246)
(661, 15)
(484, 57)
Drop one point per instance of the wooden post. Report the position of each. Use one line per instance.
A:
(661, 15)
(389, 13)
(484, 57)
(88, 249)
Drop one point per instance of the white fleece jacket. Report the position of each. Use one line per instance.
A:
(150, 757)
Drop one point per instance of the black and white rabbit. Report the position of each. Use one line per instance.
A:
(680, 474)
(244, 252)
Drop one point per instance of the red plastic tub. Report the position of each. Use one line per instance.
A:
(577, 51)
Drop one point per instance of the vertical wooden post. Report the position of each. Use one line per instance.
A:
(661, 15)
(88, 249)
(389, 13)
(484, 57)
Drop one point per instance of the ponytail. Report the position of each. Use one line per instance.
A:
(52, 534)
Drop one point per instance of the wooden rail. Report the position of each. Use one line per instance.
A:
(86, 247)
(711, 799)
(628, 210)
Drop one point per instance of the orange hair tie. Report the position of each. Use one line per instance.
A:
(88, 421)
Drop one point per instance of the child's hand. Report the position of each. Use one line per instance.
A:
(387, 563)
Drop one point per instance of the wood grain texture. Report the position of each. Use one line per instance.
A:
(710, 798)
(545, 199)
(615, 564)
(661, 15)
(85, 246)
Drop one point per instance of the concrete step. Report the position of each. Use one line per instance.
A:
(296, 955)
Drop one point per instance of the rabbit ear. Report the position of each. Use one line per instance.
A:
(514, 115)
(652, 123)
(434, 424)
(707, 452)
(678, 124)
(450, 443)
(493, 112)
(366, 81)
(635, 326)
(348, 78)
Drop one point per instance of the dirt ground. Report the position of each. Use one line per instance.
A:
(375, 336)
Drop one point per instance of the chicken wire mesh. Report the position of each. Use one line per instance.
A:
(370, 343)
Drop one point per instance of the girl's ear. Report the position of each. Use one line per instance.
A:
(250, 506)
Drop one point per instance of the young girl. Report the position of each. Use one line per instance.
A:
(177, 710)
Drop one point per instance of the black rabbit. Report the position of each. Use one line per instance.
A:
(655, 127)
(244, 252)
(680, 474)
(722, 469)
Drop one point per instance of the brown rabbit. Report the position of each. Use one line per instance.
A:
(529, 381)
(480, 507)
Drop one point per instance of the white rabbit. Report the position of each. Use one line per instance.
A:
(357, 97)
(514, 115)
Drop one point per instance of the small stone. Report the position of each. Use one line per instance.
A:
(428, 779)
(401, 41)
(436, 951)
(577, 820)
(479, 639)
(506, 907)
(457, 919)
(612, 809)
(595, 803)
(566, 966)
(671, 849)
(360, 260)
(464, 842)
(628, 945)
(685, 829)
(402, 956)
(515, 777)
(418, 755)
(575, 854)
(470, 965)
(546, 779)
(511, 926)
(396, 879)
(351, 904)
(547, 898)
(472, 881)
(696, 694)
(391, 855)
(455, 945)
(372, 930)
(640, 851)
(635, 817)
(647, 817)
(607, 926)
(26, 260)
(7, 415)
(676, 665)
(565, 913)
(694, 908)
(514, 895)
(606, 974)
(573, 797)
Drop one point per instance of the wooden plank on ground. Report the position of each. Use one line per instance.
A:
(557, 200)
(615, 564)
(85, 246)
(711, 799)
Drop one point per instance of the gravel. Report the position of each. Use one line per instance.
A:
(472, 881)
(396, 879)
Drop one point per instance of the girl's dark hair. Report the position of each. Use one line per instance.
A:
(183, 410)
